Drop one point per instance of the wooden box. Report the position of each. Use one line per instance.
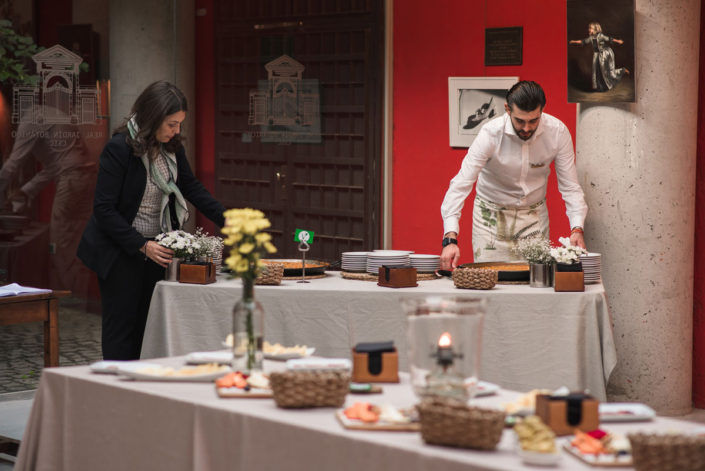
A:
(375, 365)
(201, 273)
(397, 277)
(566, 413)
(568, 281)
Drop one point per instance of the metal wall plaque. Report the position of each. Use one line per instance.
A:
(503, 46)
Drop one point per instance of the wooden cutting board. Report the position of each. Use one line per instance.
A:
(385, 426)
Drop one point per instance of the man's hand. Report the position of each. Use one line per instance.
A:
(450, 257)
(577, 239)
(157, 253)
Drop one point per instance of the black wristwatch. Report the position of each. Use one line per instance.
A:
(448, 241)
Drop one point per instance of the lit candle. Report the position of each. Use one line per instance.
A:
(444, 353)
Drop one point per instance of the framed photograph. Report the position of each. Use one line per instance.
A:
(472, 101)
(601, 51)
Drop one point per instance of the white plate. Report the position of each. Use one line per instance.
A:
(383, 253)
(136, 370)
(289, 356)
(486, 389)
(625, 412)
(197, 358)
(303, 364)
(539, 459)
(109, 366)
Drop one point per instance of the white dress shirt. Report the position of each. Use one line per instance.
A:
(512, 172)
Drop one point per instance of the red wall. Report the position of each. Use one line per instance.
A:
(432, 43)
(699, 249)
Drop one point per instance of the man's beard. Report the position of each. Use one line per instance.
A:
(523, 136)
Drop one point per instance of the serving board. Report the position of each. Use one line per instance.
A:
(504, 276)
(385, 426)
(241, 393)
(600, 461)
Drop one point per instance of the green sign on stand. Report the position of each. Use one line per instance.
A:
(302, 235)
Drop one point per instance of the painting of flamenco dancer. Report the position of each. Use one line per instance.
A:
(600, 66)
(473, 101)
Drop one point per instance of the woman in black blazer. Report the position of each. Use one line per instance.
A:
(143, 184)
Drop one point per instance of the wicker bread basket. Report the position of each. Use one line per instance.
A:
(474, 278)
(452, 423)
(298, 389)
(271, 274)
(667, 452)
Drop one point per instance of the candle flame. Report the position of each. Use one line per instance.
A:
(444, 340)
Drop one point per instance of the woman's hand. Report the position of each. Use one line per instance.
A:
(157, 253)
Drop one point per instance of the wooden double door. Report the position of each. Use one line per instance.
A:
(299, 105)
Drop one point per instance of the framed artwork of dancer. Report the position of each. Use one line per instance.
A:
(472, 101)
(601, 51)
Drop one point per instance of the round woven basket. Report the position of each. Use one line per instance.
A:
(271, 274)
(452, 423)
(672, 452)
(474, 278)
(298, 389)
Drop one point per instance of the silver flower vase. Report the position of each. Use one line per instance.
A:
(540, 275)
(172, 270)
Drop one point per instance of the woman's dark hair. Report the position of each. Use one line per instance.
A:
(157, 101)
(526, 95)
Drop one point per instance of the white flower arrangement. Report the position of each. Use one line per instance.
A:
(211, 246)
(182, 243)
(535, 250)
(567, 254)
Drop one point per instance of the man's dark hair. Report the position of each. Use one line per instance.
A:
(526, 95)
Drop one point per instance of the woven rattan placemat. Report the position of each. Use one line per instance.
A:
(369, 277)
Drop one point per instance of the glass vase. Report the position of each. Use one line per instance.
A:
(444, 337)
(248, 331)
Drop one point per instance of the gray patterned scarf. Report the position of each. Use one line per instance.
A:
(167, 187)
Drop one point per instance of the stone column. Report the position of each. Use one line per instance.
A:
(149, 41)
(637, 166)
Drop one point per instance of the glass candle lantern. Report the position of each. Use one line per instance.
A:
(444, 337)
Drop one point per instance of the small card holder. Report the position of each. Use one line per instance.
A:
(566, 413)
(375, 362)
(200, 273)
(397, 277)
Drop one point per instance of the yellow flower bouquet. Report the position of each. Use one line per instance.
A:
(244, 231)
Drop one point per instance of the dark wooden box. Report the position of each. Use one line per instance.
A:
(565, 414)
(397, 277)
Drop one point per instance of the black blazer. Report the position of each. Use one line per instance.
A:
(122, 179)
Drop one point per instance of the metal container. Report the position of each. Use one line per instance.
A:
(540, 275)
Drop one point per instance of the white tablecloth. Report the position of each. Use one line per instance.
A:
(84, 421)
(532, 338)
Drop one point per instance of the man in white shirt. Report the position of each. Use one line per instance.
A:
(510, 161)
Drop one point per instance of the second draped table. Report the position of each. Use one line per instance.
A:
(532, 337)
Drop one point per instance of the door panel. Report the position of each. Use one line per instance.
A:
(330, 182)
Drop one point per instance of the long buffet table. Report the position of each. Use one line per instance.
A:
(532, 338)
(84, 421)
